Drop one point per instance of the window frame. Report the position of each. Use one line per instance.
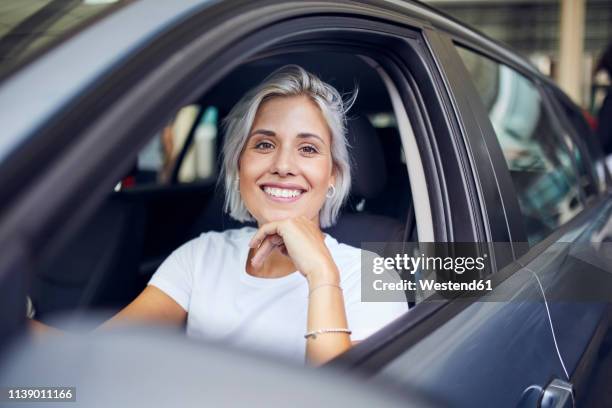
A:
(499, 204)
(121, 126)
(373, 352)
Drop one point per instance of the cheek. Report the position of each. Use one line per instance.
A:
(319, 176)
(250, 168)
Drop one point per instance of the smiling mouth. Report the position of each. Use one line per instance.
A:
(282, 194)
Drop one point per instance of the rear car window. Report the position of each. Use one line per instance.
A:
(29, 27)
(184, 151)
(578, 121)
(542, 170)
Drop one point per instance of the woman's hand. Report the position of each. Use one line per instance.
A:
(301, 240)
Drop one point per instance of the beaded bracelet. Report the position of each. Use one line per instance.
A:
(323, 285)
(314, 333)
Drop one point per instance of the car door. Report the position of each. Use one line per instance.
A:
(573, 295)
(432, 347)
(514, 345)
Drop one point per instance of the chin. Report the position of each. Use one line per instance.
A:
(279, 216)
(269, 216)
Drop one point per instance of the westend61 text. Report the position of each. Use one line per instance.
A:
(429, 285)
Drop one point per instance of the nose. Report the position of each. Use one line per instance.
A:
(284, 163)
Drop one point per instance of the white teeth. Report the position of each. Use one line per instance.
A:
(281, 192)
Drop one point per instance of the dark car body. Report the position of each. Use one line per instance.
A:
(75, 117)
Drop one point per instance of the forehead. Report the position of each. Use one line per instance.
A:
(291, 116)
(290, 108)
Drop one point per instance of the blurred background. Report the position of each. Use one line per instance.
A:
(564, 38)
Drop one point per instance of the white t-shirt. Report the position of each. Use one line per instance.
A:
(207, 277)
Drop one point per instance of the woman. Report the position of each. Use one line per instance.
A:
(284, 287)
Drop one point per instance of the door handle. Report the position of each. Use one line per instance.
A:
(558, 394)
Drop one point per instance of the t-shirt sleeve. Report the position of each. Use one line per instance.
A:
(174, 276)
(365, 318)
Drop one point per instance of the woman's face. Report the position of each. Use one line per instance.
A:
(286, 166)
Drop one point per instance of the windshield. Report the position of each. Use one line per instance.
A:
(29, 27)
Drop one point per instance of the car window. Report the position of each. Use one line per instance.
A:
(194, 128)
(577, 120)
(130, 235)
(30, 26)
(542, 170)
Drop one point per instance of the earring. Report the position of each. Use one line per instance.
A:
(331, 191)
(237, 184)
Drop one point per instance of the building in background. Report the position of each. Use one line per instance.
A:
(532, 28)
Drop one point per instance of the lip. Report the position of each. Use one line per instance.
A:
(288, 186)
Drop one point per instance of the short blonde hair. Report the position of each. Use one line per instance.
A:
(290, 80)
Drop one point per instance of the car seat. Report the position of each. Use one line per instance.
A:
(360, 222)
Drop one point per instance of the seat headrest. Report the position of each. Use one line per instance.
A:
(368, 164)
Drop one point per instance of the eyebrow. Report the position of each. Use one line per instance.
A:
(302, 135)
(263, 132)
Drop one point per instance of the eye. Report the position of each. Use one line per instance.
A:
(309, 149)
(264, 145)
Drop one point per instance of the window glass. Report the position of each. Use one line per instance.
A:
(158, 160)
(542, 170)
(578, 121)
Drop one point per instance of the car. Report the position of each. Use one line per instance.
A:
(109, 160)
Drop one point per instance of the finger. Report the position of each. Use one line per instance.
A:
(266, 248)
(265, 230)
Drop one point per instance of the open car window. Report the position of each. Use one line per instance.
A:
(172, 194)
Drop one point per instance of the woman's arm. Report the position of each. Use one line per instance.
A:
(302, 240)
(151, 306)
(326, 310)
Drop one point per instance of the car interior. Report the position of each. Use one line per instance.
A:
(163, 202)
